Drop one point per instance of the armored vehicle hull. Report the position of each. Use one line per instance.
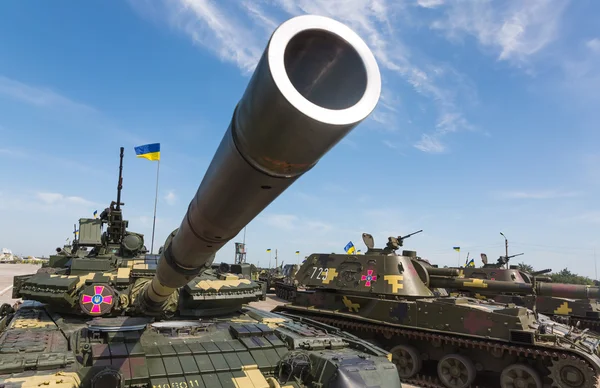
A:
(110, 320)
(252, 348)
(567, 303)
(286, 288)
(442, 341)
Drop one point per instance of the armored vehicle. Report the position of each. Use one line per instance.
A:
(286, 287)
(270, 277)
(119, 260)
(567, 303)
(315, 82)
(441, 341)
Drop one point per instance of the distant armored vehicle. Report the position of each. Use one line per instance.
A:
(567, 303)
(286, 287)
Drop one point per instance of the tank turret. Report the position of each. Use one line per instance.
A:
(389, 299)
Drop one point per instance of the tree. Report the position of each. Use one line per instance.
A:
(566, 276)
(563, 276)
(525, 268)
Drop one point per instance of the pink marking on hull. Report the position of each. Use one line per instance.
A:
(86, 299)
(107, 299)
(369, 277)
(96, 309)
(98, 290)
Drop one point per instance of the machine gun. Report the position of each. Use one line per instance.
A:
(394, 243)
(503, 260)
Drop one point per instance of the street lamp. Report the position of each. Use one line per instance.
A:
(505, 246)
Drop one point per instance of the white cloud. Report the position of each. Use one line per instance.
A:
(430, 144)
(223, 29)
(12, 153)
(38, 96)
(319, 226)
(430, 3)
(58, 199)
(389, 144)
(293, 222)
(280, 221)
(593, 45)
(305, 196)
(582, 73)
(514, 29)
(171, 198)
(591, 217)
(544, 194)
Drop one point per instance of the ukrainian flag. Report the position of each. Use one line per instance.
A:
(457, 249)
(471, 263)
(349, 248)
(148, 151)
(269, 250)
(297, 252)
(95, 213)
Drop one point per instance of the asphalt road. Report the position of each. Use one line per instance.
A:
(7, 272)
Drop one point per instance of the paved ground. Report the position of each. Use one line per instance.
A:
(7, 272)
(268, 304)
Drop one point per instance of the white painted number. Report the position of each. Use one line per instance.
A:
(319, 273)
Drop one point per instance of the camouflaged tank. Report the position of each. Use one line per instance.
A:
(270, 277)
(118, 259)
(386, 299)
(286, 287)
(567, 303)
(315, 82)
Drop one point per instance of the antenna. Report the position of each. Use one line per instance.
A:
(120, 183)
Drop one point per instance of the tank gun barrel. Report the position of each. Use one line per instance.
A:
(571, 291)
(315, 81)
(452, 272)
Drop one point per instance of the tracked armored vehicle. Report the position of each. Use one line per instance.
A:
(315, 82)
(119, 260)
(286, 287)
(441, 341)
(567, 303)
(270, 277)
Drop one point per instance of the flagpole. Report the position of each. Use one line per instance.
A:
(155, 202)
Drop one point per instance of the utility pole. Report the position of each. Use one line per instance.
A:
(595, 265)
(505, 247)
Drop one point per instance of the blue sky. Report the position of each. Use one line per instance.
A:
(488, 123)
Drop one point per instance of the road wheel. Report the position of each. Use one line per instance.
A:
(456, 371)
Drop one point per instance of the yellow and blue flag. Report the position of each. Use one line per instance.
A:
(297, 252)
(148, 151)
(349, 248)
(457, 249)
(471, 263)
(269, 250)
(95, 213)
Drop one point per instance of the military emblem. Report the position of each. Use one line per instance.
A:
(369, 277)
(96, 300)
